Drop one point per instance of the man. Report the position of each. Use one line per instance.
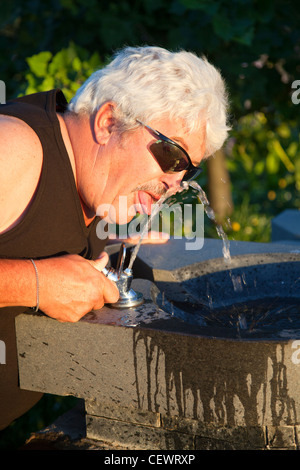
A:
(134, 129)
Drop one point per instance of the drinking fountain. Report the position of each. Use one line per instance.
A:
(123, 279)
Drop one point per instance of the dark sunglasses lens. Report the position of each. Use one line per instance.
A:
(192, 174)
(169, 157)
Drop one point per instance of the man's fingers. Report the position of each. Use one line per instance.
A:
(110, 290)
(101, 262)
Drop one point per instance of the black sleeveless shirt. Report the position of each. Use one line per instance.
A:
(54, 223)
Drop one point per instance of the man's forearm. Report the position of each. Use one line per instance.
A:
(17, 283)
(69, 285)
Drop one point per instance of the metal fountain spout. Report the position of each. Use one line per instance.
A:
(123, 279)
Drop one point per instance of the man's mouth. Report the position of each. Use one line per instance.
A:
(145, 202)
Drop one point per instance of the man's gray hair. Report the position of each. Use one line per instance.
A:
(149, 83)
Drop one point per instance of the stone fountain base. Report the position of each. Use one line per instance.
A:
(162, 384)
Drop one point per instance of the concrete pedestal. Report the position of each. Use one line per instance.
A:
(162, 384)
(286, 227)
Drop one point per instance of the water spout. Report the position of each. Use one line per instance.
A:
(123, 279)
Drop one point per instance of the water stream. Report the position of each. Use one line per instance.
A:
(240, 315)
(207, 208)
(237, 281)
(211, 215)
(145, 229)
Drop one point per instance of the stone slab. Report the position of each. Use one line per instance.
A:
(164, 366)
(286, 226)
(75, 430)
(282, 437)
(137, 436)
(157, 431)
(128, 414)
(154, 259)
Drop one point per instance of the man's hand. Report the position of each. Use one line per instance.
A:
(71, 286)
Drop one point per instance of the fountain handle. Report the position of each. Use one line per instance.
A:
(123, 278)
(121, 259)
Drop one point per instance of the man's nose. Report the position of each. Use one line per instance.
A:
(172, 180)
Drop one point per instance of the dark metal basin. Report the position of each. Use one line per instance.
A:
(249, 298)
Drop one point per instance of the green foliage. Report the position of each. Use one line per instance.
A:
(266, 150)
(67, 70)
(249, 223)
(58, 43)
(263, 159)
(254, 43)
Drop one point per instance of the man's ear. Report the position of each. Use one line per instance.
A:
(104, 122)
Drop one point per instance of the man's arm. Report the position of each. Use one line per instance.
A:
(21, 159)
(69, 286)
(17, 283)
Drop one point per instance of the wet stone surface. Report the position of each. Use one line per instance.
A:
(165, 382)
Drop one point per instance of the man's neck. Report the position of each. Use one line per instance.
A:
(88, 215)
(74, 132)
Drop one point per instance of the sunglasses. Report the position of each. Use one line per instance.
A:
(170, 156)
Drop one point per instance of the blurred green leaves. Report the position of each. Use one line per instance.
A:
(67, 70)
(263, 157)
(234, 35)
(256, 45)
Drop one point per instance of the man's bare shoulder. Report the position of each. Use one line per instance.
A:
(21, 157)
(15, 133)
